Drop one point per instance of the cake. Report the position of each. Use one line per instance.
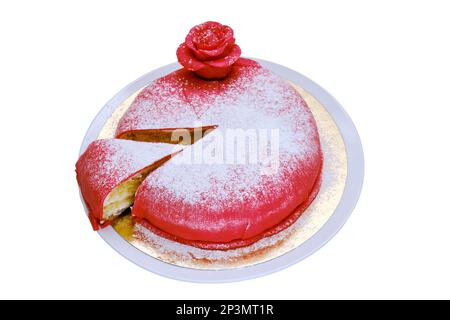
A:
(251, 160)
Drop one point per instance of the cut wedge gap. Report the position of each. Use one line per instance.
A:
(172, 136)
(121, 198)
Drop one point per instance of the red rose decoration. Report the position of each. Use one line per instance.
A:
(209, 50)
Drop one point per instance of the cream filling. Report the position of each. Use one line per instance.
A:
(122, 197)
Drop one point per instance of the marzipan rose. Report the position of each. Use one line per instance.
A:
(209, 50)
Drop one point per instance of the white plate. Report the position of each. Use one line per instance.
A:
(353, 186)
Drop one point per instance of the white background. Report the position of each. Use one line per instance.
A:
(387, 62)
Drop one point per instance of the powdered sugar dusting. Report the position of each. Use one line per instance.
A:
(258, 99)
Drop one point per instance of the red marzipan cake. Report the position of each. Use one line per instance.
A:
(216, 204)
(109, 172)
(231, 205)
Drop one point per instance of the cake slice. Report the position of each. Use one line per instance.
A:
(110, 171)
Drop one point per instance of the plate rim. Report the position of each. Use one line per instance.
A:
(345, 207)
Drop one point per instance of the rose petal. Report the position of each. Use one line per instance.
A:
(187, 59)
(190, 43)
(220, 52)
(191, 35)
(208, 35)
(208, 40)
(226, 61)
(199, 56)
(228, 33)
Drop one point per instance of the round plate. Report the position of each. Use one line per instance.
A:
(349, 198)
